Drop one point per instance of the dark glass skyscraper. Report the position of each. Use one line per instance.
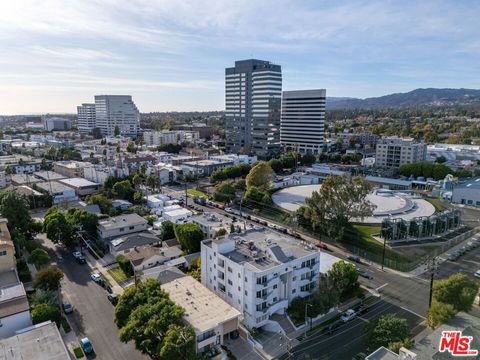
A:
(253, 90)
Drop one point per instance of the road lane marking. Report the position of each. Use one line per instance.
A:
(413, 312)
(381, 287)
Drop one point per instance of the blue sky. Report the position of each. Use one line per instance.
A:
(171, 55)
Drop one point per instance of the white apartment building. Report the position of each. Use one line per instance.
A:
(259, 272)
(112, 111)
(303, 121)
(394, 152)
(86, 118)
(157, 138)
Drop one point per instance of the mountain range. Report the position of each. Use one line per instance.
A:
(414, 98)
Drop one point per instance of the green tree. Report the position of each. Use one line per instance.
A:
(57, 228)
(137, 180)
(80, 219)
(45, 312)
(344, 277)
(48, 278)
(260, 176)
(146, 315)
(104, 203)
(224, 192)
(339, 201)
(123, 190)
(167, 230)
(38, 257)
(131, 147)
(125, 264)
(137, 197)
(189, 236)
(44, 297)
(457, 290)
(439, 313)
(220, 232)
(15, 208)
(179, 343)
(440, 159)
(389, 331)
(153, 181)
(116, 131)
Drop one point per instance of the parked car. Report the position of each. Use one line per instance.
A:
(364, 274)
(86, 345)
(113, 298)
(362, 309)
(330, 329)
(96, 277)
(348, 315)
(67, 308)
(77, 254)
(229, 210)
(81, 260)
(354, 259)
(321, 245)
(477, 274)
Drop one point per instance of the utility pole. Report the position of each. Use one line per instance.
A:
(306, 318)
(383, 252)
(432, 266)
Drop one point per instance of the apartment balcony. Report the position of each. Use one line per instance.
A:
(209, 340)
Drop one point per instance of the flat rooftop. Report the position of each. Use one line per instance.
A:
(78, 182)
(204, 310)
(252, 245)
(212, 219)
(48, 175)
(121, 221)
(54, 187)
(39, 342)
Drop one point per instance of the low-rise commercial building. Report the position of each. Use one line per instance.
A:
(211, 318)
(58, 191)
(177, 216)
(70, 169)
(259, 272)
(121, 225)
(81, 186)
(48, 175)
(203, 167)
(467, 193)
(40, 342)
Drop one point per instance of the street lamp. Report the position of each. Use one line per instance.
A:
(306, 317)
(432, 265)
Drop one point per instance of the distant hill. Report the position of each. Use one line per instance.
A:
(418, 97)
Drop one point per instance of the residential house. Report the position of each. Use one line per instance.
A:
(121, 225)
(123, 244)
(147, 256)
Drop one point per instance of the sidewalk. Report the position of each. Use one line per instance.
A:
(97, 265)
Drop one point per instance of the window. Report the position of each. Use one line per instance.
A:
(229, 294)
(246, 293)
(239, 276)
(3, 253)
(294, 291)
(239, 289)
(229, 269)
(121, 229)
(132, 227)
(275, 286)
(229, 282)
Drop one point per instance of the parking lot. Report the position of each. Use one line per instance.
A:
(468, 262)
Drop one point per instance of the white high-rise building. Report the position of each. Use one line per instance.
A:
(303, 121)
(253, 90)
(86, 118)
(112, 111)
(259, 272)
(394, 152)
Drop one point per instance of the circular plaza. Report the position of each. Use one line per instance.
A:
(387, 203)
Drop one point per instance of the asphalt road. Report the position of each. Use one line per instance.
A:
(93, 313)
(350, 338)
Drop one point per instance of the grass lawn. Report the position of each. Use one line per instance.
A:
(197, 193)
(118, 274)
(364, 240)
(437, 204)
(78, 352)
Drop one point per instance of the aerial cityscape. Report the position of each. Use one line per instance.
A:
(237, 180)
